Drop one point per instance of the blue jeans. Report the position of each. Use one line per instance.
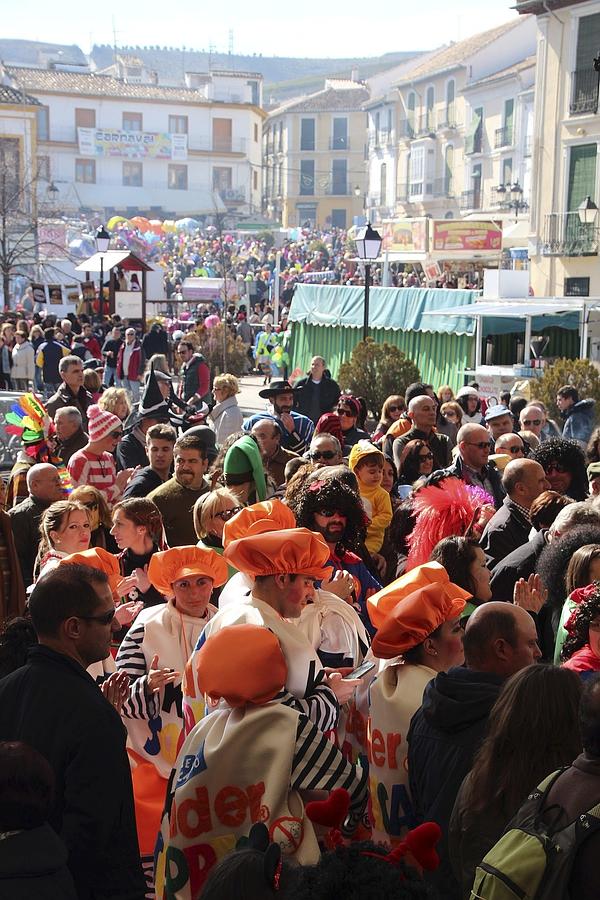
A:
(110, 373)
(133, 387)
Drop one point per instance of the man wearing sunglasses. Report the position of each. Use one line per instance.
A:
(325, 450)
(534, 418)
(52, 704)
(296, 429)
(471, 464)
(422, 411)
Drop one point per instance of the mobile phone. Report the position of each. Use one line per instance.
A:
(360, 671)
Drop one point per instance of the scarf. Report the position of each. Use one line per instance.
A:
(585, 660)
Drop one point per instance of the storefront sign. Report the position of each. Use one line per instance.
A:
(405, 236)
(456, 235)
(131, 144)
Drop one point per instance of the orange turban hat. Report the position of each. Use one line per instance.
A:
(97, 558)
(180, 562)
(384, 601)
(415, 617)
(294, 551)
(269, 515)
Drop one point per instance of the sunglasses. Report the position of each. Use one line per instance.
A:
(394, 409)
(514, 450)
(556, 467)
(104, 619)
(481, 444)
(532, 421)
(425, 457)
(116, 435)
(329, 513)
(346, 412)
(226, 514)
(323, 454)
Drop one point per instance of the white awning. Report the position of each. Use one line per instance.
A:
(519, 308)
(109, 259)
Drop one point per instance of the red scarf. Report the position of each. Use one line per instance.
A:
(585, 660)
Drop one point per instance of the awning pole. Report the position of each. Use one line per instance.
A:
(584, 332)
(386, 270)
(526, 350)
(478, 320)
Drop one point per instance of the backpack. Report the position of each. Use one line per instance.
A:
(533, 858)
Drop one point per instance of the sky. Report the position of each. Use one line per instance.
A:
(350, 29)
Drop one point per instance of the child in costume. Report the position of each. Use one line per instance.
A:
(154, 653)
(366, 461)
(246, 763)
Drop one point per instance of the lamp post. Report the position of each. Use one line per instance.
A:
(368, 244)
(102, 240)
(514, 195)
(588, 214)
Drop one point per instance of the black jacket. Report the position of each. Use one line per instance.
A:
(131, 452)
(439, 444)
(491, 473)
(443, 737)
(144, 482)
(25, 520)
(82, 400)
(33, 864)
(52, 704)
(312, 399)
(506, 531)
(521, 563)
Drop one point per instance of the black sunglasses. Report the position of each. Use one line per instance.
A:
(226, 514)
(116, 434)
(329, 513)
(481, 444)
(103, 619)
(346, 412)
(323, 454)
(425, 456)
(394, 409)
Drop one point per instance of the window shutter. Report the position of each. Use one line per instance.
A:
(582, 175)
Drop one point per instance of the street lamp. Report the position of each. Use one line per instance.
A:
(515, 201)
(102, 240)
(587, 211)
(52, 191)
(368, 244)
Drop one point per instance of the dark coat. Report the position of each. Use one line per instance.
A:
(82, 400)
(76, 442)
(12, 590)
(131, 452)
(521, 563)
(145, 481)
(52, 704)
(33, 866)
(506, 531)
(491, 473)
(443, 738)
(25, 521)
(439, 444)
(312, 399)
(579, 422)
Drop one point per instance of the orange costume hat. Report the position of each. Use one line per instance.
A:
(168, 566)
(416, 616)
(97, 558)
(384, 601)
(241, 664)
(268, 515)
(293, 551)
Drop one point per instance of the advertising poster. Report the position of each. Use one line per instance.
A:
(55, 294)
(39, 292)
(132, 144)
(405, 236)
(460, 236)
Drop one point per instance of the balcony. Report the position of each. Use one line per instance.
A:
(232, 195)
(565, 235)
(448, 124)
(503, 137)
(584, 92)
(442, 187)
(338, 190)
(471, 199)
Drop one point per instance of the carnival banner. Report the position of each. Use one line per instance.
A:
(405, 236)
(467, 237)
(132, 144)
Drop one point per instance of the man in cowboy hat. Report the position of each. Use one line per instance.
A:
(296, 429)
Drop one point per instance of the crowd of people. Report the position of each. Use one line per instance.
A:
(294, 653)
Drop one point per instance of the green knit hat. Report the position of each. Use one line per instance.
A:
(243, 459)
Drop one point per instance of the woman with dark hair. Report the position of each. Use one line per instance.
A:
(33, 858)
(416, 462)
(468, 400)
(532, 731)
(465, 563)
(581, 649)
(349, 410)
(583, 570)
(138, 531)
(391, 411)
(564, 465)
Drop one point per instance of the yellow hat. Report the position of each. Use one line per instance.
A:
(379, 605)
(294, 551)
(169, 566)
(360, 450)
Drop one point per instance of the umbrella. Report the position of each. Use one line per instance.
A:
(169, 225)
(187, 224)
(112, 223)
(140, 222)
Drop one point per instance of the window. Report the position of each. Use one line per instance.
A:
(429, 109)
(222, 130)
(255, 179)
(280, 138)
(582, 175)
(132, 121)
(339, 176)
(382, 184)
(584, 96)
(450, 94)
(307, 176)
(177, 179)
(85, 118)
(476, 186)
(577, 287)
(509, 115)
(506, 172)
(449, 171)
(43, 123)
(279, 179)
(416, 171)
(85, 171)
(178, 124)
(133, 174)
(222, 178)
(254, 92)
(307, 134)
(43, 168)
(474, 136)
(255, 133)
(390, 121)
(338, 218)
(377, 128)
(10, 164)
(410, 113)
(340, 134)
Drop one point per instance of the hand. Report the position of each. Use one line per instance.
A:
(115, 688)
(287, 422)
(380, 563)
(127, 612)
(157, 677)
(142, 580)
(126, 585)
(341, 584)
(343, 690)
(125, 476)
(531, 594)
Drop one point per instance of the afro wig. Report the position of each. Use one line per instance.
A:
(569, 455)
(321, 492)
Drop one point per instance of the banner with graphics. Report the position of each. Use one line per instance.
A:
(132, 144)
(465, 236)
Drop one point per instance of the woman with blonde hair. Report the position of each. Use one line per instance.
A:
(100, 518)
(391, 411)
(452, 412)
(64, 529)
(116, 401)
(445, 394)
(211, 511)
(159, 362)
(226, 415)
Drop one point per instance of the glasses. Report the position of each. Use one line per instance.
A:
(425, 457)
(556, 467)
(345, 412)
(103, 619)
(532, 421)
(481, 444)
(394, 409)
(329, 513)
(116, 435)
(226, 514)
(514, 450)
(323, 454)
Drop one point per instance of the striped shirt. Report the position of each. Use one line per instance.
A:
(97, 470)
(298, 441)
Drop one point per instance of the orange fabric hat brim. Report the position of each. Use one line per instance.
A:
(97, 558)
(415, 617)
(269, 515)
(241, 664)
(384, 601)
(293, 551)
(169, 566)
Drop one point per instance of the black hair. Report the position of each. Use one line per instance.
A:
(570, 455)
(68, 590)
(578, 636)
(26, 787)
(554, 559)
(589, 716)
(348, 873)
(331, 493)
(241, 874)
(568, 392)
(416, 389)
(17, 636)
(408, 471)
(456, 554)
